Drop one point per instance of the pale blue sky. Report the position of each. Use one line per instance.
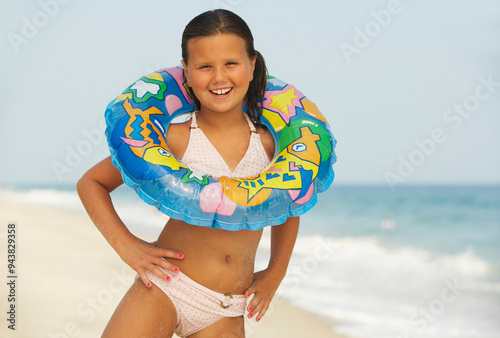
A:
(408, 69)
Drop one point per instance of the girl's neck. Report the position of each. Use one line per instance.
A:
(221, 121)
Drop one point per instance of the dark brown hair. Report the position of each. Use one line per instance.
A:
(221, 21)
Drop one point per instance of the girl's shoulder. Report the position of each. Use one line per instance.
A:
(267, 141)
(178, 138)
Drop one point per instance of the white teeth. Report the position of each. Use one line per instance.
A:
(221, 91)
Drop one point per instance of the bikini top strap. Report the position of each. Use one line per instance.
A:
(193, 125)
(250, 124)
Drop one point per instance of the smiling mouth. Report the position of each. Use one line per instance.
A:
(221, 92)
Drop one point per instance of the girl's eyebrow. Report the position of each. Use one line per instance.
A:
(200, 63)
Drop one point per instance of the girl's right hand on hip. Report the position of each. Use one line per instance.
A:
(141, 256)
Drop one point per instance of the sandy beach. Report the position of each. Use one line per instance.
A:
(69, 280)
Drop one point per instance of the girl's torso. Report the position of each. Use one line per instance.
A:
(218, 259)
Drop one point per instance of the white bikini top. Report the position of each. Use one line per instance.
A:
(201, 155)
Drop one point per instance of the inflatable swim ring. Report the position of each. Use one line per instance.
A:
(137, 123)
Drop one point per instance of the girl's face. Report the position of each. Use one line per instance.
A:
(219, 70)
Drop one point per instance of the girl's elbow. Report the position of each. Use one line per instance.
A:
(85, 182)
(82, 184)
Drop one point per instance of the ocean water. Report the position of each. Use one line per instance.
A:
(420, 261)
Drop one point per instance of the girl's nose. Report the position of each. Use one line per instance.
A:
(219, 74)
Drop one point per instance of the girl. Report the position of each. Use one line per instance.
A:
(194, 281)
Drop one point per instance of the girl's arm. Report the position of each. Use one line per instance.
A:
(266, 282)
(94, 189)
(283, 239)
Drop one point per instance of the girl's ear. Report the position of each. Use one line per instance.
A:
(186, 73)
(252, 68)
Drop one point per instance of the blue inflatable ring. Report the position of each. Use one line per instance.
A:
(137, 123)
